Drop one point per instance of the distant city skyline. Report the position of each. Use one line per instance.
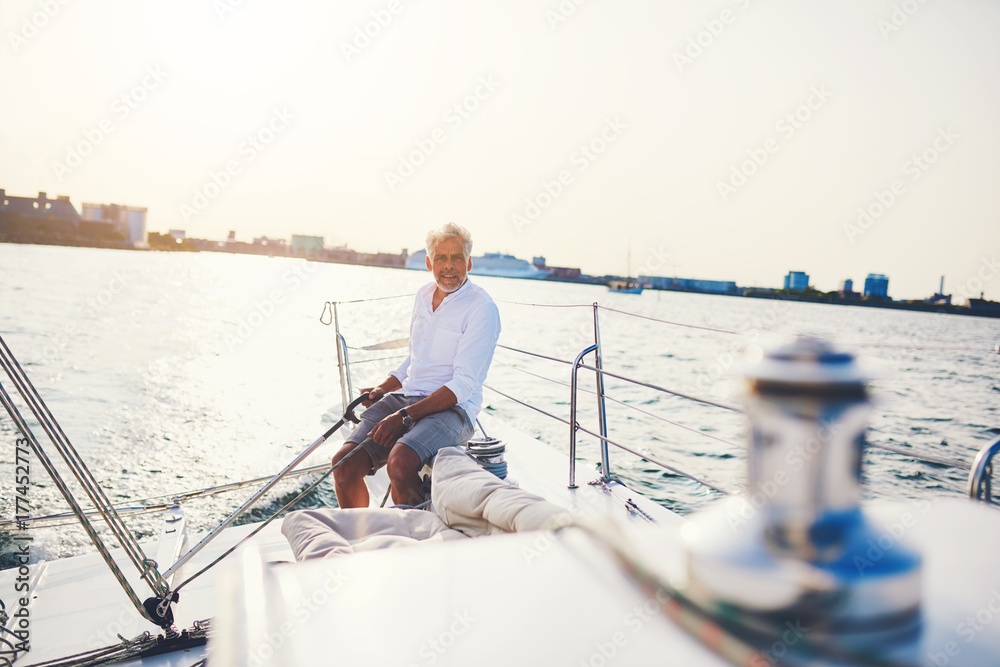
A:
(727, 141)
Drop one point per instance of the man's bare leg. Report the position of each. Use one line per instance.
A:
(404, 468)
(349, 478)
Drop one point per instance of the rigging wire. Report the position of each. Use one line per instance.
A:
(546, 305)
(663, 389)
(665, 466)
(627, 405)
(535, 354)
(676, 324)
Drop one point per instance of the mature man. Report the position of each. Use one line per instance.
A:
(432, 400)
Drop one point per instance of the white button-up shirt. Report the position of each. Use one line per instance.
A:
(451, 346)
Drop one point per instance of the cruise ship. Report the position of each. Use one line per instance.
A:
(488, 264)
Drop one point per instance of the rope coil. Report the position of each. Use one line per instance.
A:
(489, 454)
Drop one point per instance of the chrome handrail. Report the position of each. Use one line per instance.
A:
(573, 425)
(602, 417)
(343, 361)
(981, 473)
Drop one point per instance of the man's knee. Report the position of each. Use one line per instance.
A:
(355, 466)
(403, 462)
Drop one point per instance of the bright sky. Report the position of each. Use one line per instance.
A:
(730, 139)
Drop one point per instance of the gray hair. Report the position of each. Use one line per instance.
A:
(449, 231)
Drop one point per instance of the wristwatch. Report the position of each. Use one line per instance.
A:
(407, 419)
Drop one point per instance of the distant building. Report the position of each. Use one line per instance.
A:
(847, 289)
(982, 306)
(877, 285)
(27, 216)
(939, 298)
(178, 233)
(306, 246)
(689, 284)
(796, 280)
(129, 221)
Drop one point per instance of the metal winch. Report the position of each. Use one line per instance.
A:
(488, 452)
(796, 547)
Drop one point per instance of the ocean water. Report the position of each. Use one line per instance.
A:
(171, 372)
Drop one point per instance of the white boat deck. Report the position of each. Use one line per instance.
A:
(77, 604)
(531, 598)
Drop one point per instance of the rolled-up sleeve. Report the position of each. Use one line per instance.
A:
(475, 352)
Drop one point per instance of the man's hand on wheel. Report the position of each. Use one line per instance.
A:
(374, 394)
